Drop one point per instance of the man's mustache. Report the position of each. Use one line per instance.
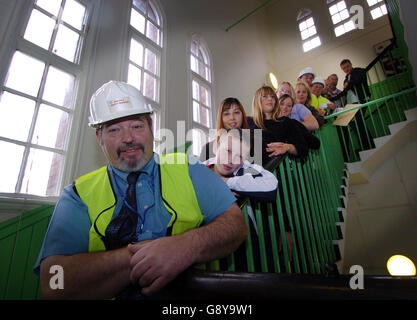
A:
(130, 146)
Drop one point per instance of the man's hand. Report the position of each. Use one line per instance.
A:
(155, 263)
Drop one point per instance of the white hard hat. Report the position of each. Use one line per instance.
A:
(305, 71)
(319, 80)
(114, 100)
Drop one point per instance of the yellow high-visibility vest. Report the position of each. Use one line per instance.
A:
(96, 191)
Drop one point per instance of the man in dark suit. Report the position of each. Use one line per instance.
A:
(356, 87)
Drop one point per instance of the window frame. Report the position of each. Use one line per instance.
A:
(343, 22)
(304, 17)
(14, 42)
(378, 5)
(201, 81)
(159, 50)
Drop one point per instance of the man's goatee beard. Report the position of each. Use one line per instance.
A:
(123, 166)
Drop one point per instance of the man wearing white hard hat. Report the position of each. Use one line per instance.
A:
(317, 100)
(306, 75)
(129, 228)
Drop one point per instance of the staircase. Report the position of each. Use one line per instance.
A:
(385, 147)
(380, 189)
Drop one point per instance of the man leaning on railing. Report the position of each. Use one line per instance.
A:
(356, 87)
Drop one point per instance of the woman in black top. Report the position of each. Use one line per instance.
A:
(279, 134)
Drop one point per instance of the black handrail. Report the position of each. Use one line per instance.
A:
(201, 285)
(379, 56)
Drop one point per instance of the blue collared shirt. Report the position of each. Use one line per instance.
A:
(68, 231)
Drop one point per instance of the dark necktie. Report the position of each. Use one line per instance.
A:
(122, 230)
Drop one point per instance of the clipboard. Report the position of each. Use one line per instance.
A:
(344, 119)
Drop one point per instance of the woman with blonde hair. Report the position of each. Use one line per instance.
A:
(285, 88)
(297, 111)
(303, 96)
(279, 134)
(231, 115)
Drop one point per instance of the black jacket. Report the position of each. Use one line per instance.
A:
(356, 79)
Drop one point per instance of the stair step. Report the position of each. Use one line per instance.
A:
(366, 154)
(394, 128)
(411, 114)
(381, 141)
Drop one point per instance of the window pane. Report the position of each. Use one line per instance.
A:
(13, 108)
(341, 5)
(59, 87)
(137, 21)
(152, 32)
(349, 26)
(51, 127)
(205, 117)
(339, 30)
(194, 64)
(312, 31)
(134, 75)
(10, 165)
(344, 14)
(136, 52)
(204, 96)
(333, 10)
(310, 22)
(194, 47)
(150, 61)
(199, 138)
(202, 70)
(51, 6)
(41, 172)
(74, 14)
(196, 94)
(66, 43)
(150, 86)
(372, 2)
(307, 46)
(202, 56)
(152, 14)
(39, 29)
(140, 4)
(305, 34)
(196, 111)
(25, 74)
(336, 18)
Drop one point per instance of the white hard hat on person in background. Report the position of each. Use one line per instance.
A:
(114, 100)
(305, 71)
(319, 80)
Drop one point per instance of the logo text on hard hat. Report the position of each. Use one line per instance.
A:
(116, 104)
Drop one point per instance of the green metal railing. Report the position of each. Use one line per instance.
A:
(392, 94)
(309, 197)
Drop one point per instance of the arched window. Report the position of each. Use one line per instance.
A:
(340, 17)
(145, 54)
(201, 88)
(308, 30)
(37, 97)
